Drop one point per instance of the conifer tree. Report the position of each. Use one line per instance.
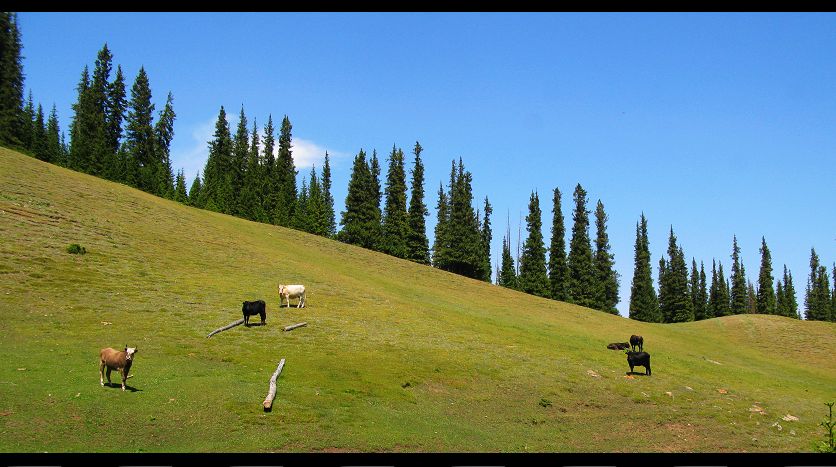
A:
(533, 278)
(84, 129)
(238, 168)
(164, 134)
(790, 298)
(395, 225)
(196, 198)
(359, 222)
(285, 174)
(375, 226)
(486, 236)
(28, 133)
(11, 81)
(217, 187)
(780, 301)
(328, 219)
(116, 106)
(180, 194)
(558, 269)
(701, 303)
(694, 288)
(251, 202)
(675, 303)
(765, 294)
(817, 302)
(723, 306)
(738, 279)
(751, 298)
(418, 247)
(315, 206)
(606, 280)
(300, 215)
(463, 234)
(53, 147)
(441, 246)
(582, 283)
(507, 275)
(139, 135)
(102, 157)
(644, 304)
(40, 144)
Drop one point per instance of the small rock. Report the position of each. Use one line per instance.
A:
(669, 393)
(593, 374)
(689, 388)
(722, 391)
(789, 418)
(778, 425)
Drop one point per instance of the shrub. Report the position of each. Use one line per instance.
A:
(828, 445)
(76, 249)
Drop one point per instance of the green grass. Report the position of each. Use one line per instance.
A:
(396, 356)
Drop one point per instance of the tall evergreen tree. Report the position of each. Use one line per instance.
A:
(53, 147)
(606, 280)
(11, 81)
(238, 168)
(486, 236)
(723, 295)
(395, 225)
(582, 281)
(164, 134)
(533, 278)
(250, 199)
(766, 295)
(463, 233)
(41, 143)
(780, 301)
(28, 132)
(328, 219)
(675, 303)
(117, 104)
(701, 303)
(558, 269)
(507, 275)
(315, 206)
(817, 302)
(301, 221)
(217, 186)
(180, 194)
(375, 195)
(738, 280)
(694, 288)
(418, 246)
(269, 183)
(751, 298)
(644, 304)
(360, 222)
(285, 174)
(139, 136)
(441, 247)
(790, 297)
(85, 128)
(196, 198)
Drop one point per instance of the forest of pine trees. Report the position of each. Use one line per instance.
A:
(115, 134)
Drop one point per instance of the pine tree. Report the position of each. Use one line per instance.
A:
(395, 225)
(486, 237)
(300, 219)
(751, 298)
(418, 246)
(116, 106)
(675, 303)
(359, 221)
(180, 194)
(723, 294)
(817, 302)
(285, 174)
(441, 247)
(269, 182)
(766, 295)
(789, 295)
(533, 278)
(375, 224)
(328, 219)
(833, 296)
(102, 160)
(53, 147)
(84, 128)
(196, 197)
(582, 283)
(694, 289)
(315, 206)
(738, 279)
(780, 301)
(606, 280)
(701, 304)
(11, 81)
(644, 304)
(558, 269)
(41, 143)
(217, 186)
(463, 234)
(239, 164)
(164, 134)
(139, 135)
(507, 276)
(251, 206)
(28, 132)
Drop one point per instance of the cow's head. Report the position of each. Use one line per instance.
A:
(281, 289)
(129, 352)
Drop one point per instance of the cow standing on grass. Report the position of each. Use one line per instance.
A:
(286, 292)
(257, 307)
(637, 341)
(113, 359)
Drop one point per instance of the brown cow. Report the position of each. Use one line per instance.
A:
(116, 360)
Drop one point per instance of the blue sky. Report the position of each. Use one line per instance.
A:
(714, 124)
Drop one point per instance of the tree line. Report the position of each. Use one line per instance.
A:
(249, 175)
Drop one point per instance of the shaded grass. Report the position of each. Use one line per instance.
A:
(396, 356)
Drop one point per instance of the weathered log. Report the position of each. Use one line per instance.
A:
(294, 326)
(228, 326)
(268, 401)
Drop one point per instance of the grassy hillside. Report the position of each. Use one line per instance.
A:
(396, 356)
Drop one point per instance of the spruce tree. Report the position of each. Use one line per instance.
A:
(582, 283)
(486, 236)
(694, 288)
(269, 183)
(180, 194)
(751, 298)
(164, 134)
(395, 225)
(374, 194)
(723, 297)
(11, 81)
(441, 248)
(250, 199)
(28, 132)
(217, 187)
(606, 279)
(766, 295)
(359, 218)
(418, 247)
(738, 279)
(507, 275)
(644, 304)
(139, 135)
(789, 295)
(195, 196)
(116, 106)
(238, 167)
(701, 304)
(780, 301)
(328, 219)
(315, 206)
(558, 269)
(41, 143)
(86, 129)
(817, 302)
(300, 219)
(102, 157)
(533, 278)
(285, 176)
(463, 234)
(675, 303)
(53, 146)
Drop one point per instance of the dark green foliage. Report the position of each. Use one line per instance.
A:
(751, 298)
(28, 130)
(217, 189)
(463, 235)
(269, 183)
(250, 201)
(139, 135)
(40, 142)
(86, 129)
(738, 282)
(180, 194)
(315, 206)
(441, 252)
(507, 275)
(486, 236)
(699, 295)
(76, 249)
(196, 198)
(417, 243)
(790, 298)
(582, 281)
(829, 443)
(116, 107)
(285, 176)
(606, 278)
(395, 225)
(239, 164)
(833, 296)
(12, 118)
(718, 300)
(533, 278)
(644, 304)
(54, 151)
(817, 302)
(328, 220)
(164, 134)
(360, 220)
(766, 294)
(300, 219)
(558, 269)
(674, 300)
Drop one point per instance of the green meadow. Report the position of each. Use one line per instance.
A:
(396, 357)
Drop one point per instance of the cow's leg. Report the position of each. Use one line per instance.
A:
(101, 372)
(631, 368)
(108, 375)
(303, 300)
(124, 375)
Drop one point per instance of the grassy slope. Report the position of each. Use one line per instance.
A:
(396, 356)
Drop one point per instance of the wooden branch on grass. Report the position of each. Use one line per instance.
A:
(228, 326)
(268, 401)
(294, 326)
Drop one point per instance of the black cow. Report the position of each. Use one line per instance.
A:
(637, 341)
(639, 359)
(618, 346)
(257, 307)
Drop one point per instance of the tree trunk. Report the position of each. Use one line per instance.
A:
(268, 401)
(294, 326)
(228, 326)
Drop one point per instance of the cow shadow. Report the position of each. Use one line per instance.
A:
(255, 324)
(119, 386)
(636, 373)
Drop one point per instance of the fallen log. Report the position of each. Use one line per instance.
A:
(228, 326)
(294, 326)
(268, 401)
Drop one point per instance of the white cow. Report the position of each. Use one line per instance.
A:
(286, 292)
